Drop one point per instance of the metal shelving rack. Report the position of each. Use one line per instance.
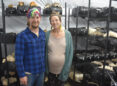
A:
(5, 42)
(3, 32)
(87, 37)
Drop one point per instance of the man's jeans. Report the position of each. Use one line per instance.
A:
(35, 79)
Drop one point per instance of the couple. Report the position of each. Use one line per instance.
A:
(31, 44)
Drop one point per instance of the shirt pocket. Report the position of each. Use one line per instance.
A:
(30, 45)
(42, 40)
(42, 44)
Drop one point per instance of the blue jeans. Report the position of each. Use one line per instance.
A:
(35, 79)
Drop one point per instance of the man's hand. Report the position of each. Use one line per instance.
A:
(23, 81)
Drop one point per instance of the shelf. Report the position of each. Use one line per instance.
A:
(8, 38)
(25, 15)
(1, 29)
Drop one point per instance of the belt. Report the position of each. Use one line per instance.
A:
(55, 75)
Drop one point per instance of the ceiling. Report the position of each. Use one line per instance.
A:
(70, 3)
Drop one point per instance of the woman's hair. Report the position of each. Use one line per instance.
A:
(55, 14)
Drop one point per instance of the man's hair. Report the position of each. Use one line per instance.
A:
(28, 24)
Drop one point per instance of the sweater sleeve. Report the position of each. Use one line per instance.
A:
(19, 53)
(70, 49)
(69, 56)
(46, 56)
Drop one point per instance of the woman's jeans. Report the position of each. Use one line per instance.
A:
(35, 79)
(54, 81)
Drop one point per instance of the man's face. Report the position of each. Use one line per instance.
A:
(34, 21)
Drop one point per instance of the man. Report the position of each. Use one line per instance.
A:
(30, 51)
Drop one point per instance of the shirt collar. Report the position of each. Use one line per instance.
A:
(29, 31)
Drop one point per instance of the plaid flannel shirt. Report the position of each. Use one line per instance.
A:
(30, 52)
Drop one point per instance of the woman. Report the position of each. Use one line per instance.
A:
(59, 52)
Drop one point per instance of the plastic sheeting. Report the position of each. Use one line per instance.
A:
(18, 23)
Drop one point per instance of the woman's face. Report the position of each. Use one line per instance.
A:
(55, 22)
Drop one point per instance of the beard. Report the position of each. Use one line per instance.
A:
(35, 26)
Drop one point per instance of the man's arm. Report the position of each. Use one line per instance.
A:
(19, 53)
